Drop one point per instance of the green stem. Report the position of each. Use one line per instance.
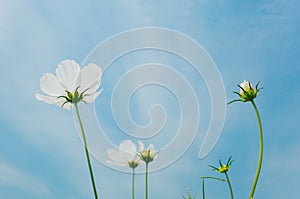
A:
(214, 178)
(203, 191)
(132, 183)
(229, 185)
(147, 180)
(261, 146)
(86, 151)
(209, 177)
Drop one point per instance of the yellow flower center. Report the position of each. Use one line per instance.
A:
(133, 164)
(224, 168)
(147, 156)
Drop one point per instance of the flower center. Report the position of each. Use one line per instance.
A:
(73, 97)
(147, 156)
(224, 168)
(133, 164)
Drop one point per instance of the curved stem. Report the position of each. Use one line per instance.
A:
(229, 185)
(147, 180)
(261, 147)
(86, 151)
(132, 183)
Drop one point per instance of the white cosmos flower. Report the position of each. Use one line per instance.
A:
(70, 84)
(246, 86)
(147, 155)
(247, 91)
(127, 155)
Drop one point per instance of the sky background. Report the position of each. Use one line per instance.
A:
(41, 155)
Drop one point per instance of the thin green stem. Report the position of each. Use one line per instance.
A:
(261, 148)
(132, 183)
(147, 164)
(209, 177)
(203, 190)
(86, 151)
(214, 178)
(229, 185)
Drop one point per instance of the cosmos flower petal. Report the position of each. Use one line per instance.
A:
(67, 72)
(128, 146)
(151, 147)
(126, 155)
(245, 85)
(90, 75)
(115, 156)
(92, 89)
(53, 100)
(91, 97)
(141, 146)
(50, 85)
(128, 150)
(68, 106)
(116, 163)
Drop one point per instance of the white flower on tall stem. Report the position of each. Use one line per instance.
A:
(127, 155)
(147, 155)
(70, 86)
(247, 94)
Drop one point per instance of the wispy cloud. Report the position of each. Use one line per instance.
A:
(13, 177)
(246, 39)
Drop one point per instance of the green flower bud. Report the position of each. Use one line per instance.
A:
(247, 91)
(223, 167)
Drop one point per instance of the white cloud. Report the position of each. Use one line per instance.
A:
(15, 178)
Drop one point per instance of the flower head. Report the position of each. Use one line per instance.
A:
(125, 156)
(247, 92)
(223, 167)
(71, 84)
(147, 155)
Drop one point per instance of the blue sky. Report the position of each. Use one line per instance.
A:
(41, 155)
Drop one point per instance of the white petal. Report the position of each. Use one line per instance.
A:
(114, 155)
(90, 75)
(67, 72)
(68, 106)
(49, 99)
(92, 89)
(141, 146)
(91, 93)
(128, 146)
(151, 147)
(137, 159)
(91, 97)
(244, 84)
(127, 150)
(53, 100)
(50, 85)
(116, 163)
